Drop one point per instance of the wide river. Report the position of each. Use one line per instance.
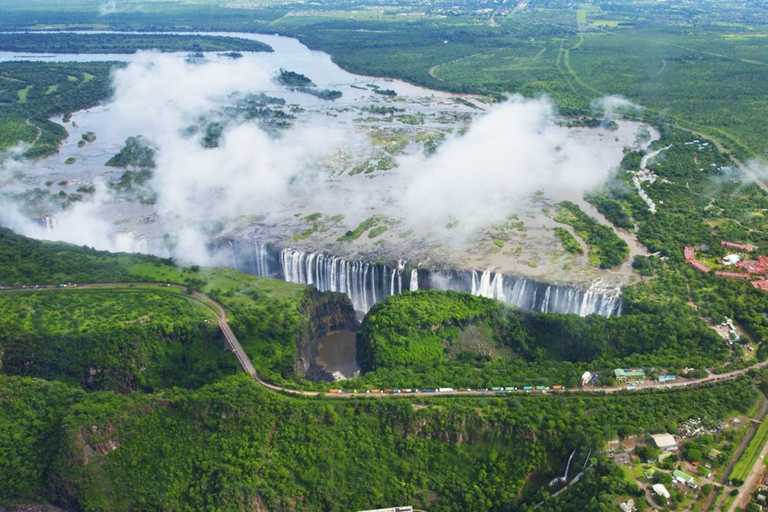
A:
(331, 164)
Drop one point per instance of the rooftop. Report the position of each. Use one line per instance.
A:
(624, 373)
(660, 490)
(664, 441)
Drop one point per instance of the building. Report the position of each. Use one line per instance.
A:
(758, 266)
(740, 247)
(392, 509)
(626, 374)
(700, 267)
(660, 490)
(665, 442)
(667, 378)
(760, 285)
(684, 478)
(731, 275)
(628, 506)
(690, 258)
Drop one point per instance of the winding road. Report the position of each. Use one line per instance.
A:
(245, 362)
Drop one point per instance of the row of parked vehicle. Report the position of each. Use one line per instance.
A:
(496, 389)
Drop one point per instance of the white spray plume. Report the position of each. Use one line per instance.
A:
(613, 106)
(249, 172)
(109, 7)
(514, 150)
(511, 151)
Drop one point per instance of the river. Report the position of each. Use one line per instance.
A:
(336, 165)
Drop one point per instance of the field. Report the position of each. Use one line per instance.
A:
(749, 457)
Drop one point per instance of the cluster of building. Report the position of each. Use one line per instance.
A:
(751, 268)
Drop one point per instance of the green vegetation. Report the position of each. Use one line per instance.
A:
(570, 244)
(742, 468)
(232, 443)
(606, 249)
(49, 89)
(432, 339)
(112, 339)
(410, 329)
(378, 230)
(299, 82)
(125, 43)
(137, 152)
(364, 226)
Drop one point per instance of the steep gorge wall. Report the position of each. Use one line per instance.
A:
(326, 312)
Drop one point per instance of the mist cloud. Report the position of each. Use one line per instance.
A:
(513, 151)
(476, 178)
(613, 106)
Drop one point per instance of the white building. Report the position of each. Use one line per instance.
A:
(660, 490)
(665, 442)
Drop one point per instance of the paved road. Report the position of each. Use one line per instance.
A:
(246, 364)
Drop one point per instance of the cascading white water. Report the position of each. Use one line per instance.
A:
(261, 262)
(366, 283)
(50, 223)
(127, 242)
(539, 297)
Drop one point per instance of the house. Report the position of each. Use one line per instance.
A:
(684, 478)
(622, 374)
(665, 442)
(741, 247)
(628, 506)
(660, 490)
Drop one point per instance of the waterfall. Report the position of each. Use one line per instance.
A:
(364, 283)
(50, 224)
(568, 466)
(367, 283)
(531, 295)
(127, 242)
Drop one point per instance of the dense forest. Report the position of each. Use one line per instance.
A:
(141, 411)
(233, 446)
(125, 43)
(111, 339)
(32, 92)
(431, 339)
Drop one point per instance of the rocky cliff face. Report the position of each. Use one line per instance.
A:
(327, 312)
